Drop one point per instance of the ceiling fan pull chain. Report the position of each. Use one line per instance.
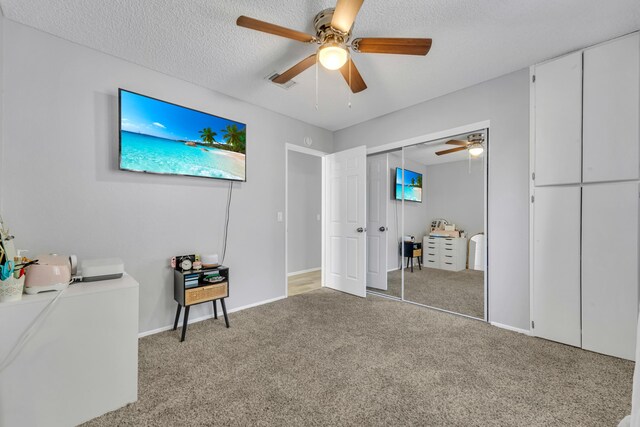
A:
(317, 82)
(349, 59)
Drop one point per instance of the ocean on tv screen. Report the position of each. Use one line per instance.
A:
(164, 138)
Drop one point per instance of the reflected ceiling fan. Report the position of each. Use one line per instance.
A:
(333, 34)
(474, 144)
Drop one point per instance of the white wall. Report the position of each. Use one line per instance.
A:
(455, 192)
(505, 102)
(61, 189)
(305, 204)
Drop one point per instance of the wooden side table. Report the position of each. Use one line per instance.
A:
(189, 288)
(413, 250)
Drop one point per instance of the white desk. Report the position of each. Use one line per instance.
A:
(82, 362)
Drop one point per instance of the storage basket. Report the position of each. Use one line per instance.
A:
(11, 289)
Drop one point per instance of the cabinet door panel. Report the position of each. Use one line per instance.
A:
(612, 111)
(558, 121)
(610, 268)
(556, 264)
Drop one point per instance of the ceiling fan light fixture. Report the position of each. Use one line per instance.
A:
(332, 55)
(476, 149)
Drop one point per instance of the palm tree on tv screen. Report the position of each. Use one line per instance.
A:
(207, 135)
(235, 137)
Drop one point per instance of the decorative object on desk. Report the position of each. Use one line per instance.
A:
(93, 270)
(443, 228)
(185, 262)
(210, 260)
(11, 289)
(215, 277)
(197, 265)
(173, 262)
(438, 224)
(51, 273)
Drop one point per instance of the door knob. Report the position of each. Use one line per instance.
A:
(382, 228)
(361, 230)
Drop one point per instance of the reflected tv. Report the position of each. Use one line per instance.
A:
(164, 138)
(412, 185)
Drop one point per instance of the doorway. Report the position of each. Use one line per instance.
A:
(304, 202)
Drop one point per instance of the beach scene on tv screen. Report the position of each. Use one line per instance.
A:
(159, 137)
(412, 185)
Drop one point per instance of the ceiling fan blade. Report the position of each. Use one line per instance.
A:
(295, 70)
(345, 14)
(450, 150)
(457, 142)
(357, 82)
(392, 45)
(266, 27)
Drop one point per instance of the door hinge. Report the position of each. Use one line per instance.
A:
(533, 324)
(533, 176)
(533, 199)
(533, 78)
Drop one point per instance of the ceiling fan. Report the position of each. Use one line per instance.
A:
(333, 34)
(474, 144)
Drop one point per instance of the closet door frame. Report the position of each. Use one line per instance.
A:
(421, 139)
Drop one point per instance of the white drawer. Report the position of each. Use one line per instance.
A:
(431, 263)
(431, 256)
(449, 250)
(433, 241)
(453, 243)
(431, 249)
(450, 257)
(451, 266)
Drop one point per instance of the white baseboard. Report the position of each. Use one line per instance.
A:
(295, 273)
(511, 328)
(209, 316)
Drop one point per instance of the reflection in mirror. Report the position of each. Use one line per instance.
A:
(383, 225)
(444, 225)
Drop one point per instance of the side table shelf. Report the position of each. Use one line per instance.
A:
(189, 288)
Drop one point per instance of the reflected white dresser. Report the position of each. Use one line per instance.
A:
(446, 253)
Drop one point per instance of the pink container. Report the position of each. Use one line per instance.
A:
(51, 270)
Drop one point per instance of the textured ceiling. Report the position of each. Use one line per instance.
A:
(197, 40)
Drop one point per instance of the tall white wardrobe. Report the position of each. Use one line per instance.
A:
(585, 196)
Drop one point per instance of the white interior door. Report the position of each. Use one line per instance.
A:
(556, 264)
(346, 221)
(377, 230)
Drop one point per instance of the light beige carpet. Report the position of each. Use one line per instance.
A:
(457, 291)
(324, 358)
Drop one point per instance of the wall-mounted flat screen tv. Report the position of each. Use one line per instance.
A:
(412, 185)
(165, 138)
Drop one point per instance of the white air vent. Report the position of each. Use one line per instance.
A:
(286, 86)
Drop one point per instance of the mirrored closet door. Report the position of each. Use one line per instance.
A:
(444, 224)
(384, 225)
